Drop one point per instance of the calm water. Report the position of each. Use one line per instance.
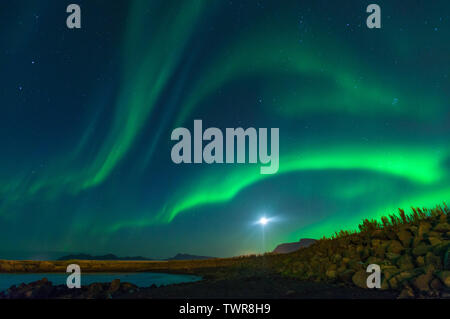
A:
(139, 279)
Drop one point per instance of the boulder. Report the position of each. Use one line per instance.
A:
(378, 234)
(446, 262)
(420, 250)
(445, 278)
(442, 227)
(346, 275)
(394, 283)
(115, 285)
(376, 243)
(331, 274)
(434, 241)
(373, 260)
(128, 287)
(442, 248)
(395, 247)
(94, 290)
(389, 271)
(360, 278)
(405, 237)
(436, 284)
(420, 261)
(393, 257)
(431, 259)
(384, 284)
(435, 234)
(422, 282)
(405, 262)
(424, 227)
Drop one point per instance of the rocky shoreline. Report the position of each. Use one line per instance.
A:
(266, 287)
(44, 289)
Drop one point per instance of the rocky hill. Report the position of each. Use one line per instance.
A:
(412, 251)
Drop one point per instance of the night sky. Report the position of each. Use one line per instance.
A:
(86, 119)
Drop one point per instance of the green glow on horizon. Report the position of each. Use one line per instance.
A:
(349, 221)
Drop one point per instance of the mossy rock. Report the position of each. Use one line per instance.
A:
(376, 243)
(384, 284)
(346, 275)
(406, 275)
(420, 261)
(442, 227)
(431, 259)
(379, 252)
(392, 257)
(442, 248)
(407, 293)
(421, 249)
(360, 279)
(446, 263)
(424, 227)
(373, 260)
(436, 284)
(405, 237)
(444, 276)
(422, 282)
(434, 241)
(378, 234)
(331, 274)
(391, 235)
(365, 253)
(394, 283)
(115, 285)
(405, 262)
(395, 247)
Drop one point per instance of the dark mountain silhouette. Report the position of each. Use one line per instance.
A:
(114, 257)
(188, 257)
(104, 257)
(291, 247)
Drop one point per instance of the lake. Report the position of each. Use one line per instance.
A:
(139, 279)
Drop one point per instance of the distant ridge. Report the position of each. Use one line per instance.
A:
(188, 257)
(103, 257)
(291, 247)
(114, 257)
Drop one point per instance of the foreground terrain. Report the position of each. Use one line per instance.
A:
(262, 285)
(411, 250)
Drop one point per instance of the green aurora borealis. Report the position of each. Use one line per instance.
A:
(87, 116)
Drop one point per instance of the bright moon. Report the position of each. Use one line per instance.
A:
(263, 220)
